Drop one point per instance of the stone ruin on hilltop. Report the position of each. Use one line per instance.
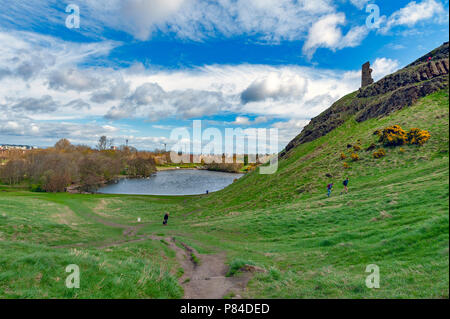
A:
(366, 77)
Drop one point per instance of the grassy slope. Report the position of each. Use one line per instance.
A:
(313, 246)
(31, 223)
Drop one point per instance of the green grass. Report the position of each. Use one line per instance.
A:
(395, 215)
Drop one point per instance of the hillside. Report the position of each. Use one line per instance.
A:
(424, 76)
(307, 245)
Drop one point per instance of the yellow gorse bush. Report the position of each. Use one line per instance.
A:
(379, 153)
(343, 156)
(418, 136)
(393, 135)
(354, 157)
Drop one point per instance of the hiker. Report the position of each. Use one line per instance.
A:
(166, 218)
(207, 192)
(329, 187)
(345, 183)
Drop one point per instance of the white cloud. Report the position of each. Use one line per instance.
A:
(287, 130)
(242, 120)
(413, 13)
(72, 79)
(275, 86)
(268, 20)
(326, 33)
(27, 105)
(383, 66)
(141, 17)
(360, 4)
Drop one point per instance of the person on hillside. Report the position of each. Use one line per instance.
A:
(329, 187)
(345, 183)
(166, 218)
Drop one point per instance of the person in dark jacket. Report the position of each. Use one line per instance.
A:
(166, 218)
(345, 183)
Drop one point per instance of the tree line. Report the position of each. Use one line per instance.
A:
(79, 167)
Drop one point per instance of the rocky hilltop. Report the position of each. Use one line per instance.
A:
(401, 89)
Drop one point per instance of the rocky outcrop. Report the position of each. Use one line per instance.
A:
(402, 97)
(410, 75)
(401, 89)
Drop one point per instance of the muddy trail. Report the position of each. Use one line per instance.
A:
(205, 274)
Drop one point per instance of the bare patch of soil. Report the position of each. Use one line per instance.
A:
(206, 279)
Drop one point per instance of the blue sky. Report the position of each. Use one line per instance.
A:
(137, 69)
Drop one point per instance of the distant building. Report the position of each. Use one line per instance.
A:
(5, 147)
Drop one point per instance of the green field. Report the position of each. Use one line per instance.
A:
(395, 216)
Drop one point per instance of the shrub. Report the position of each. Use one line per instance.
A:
(141, 167)
(343, 156)
(225, 167)
(393, 135)
(402, 150)
(371, 147)
(237, 264)
(377, 132)
(345, 165)
(418, 136)
(354, 157)
(356, 148)
(379, 153)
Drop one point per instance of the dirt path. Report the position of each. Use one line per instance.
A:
(205, 279)
(204, 275)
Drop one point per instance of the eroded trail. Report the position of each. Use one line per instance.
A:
(205, 278)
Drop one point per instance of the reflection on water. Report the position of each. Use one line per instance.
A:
(173, 182)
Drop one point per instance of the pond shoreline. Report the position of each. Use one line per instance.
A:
(172, 182)
(169, 168)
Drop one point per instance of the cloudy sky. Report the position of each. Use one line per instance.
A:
(137, 69)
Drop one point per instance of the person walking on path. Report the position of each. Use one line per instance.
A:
(166, 218)
(329, 187)
(345, 183)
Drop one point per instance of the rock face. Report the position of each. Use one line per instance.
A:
(401, 89)
(366, 78)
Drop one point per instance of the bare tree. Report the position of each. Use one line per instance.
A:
(63, 145)
(104, 143)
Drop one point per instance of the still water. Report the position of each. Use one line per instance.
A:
(173, 182)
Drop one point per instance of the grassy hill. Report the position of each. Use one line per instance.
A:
(395, 216)
(311, 246)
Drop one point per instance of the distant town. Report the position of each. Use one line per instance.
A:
(16, 147)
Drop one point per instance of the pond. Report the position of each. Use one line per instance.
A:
(173, 182)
